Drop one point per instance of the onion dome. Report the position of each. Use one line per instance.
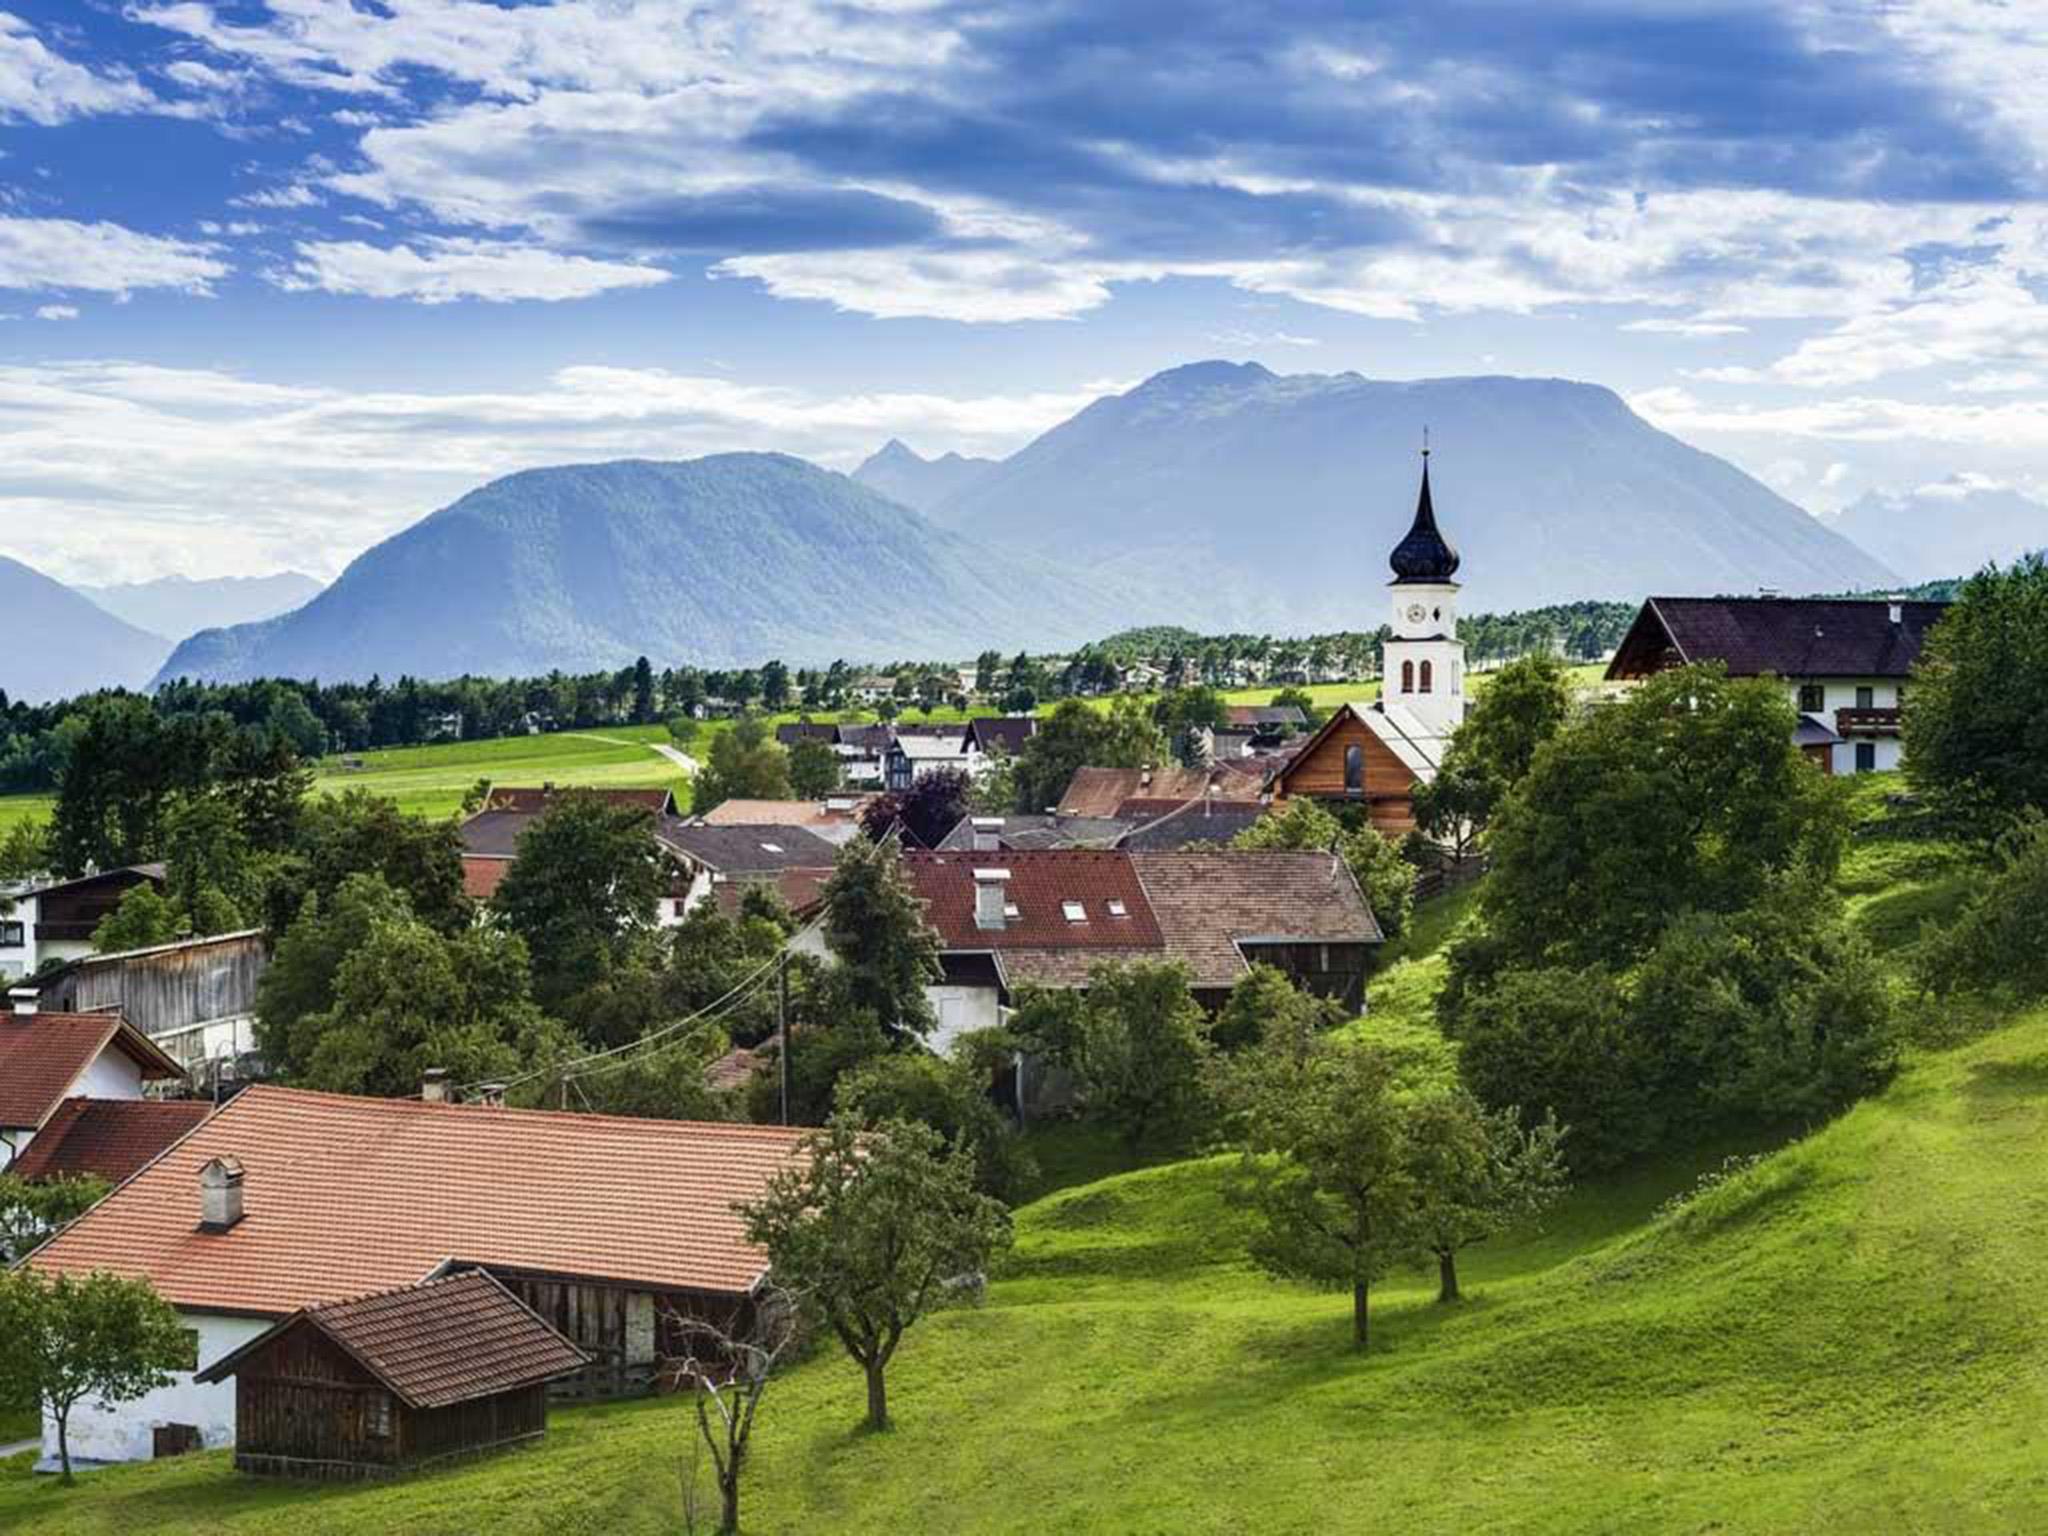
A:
(1424, 554)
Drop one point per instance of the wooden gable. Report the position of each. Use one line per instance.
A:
(1386, 786)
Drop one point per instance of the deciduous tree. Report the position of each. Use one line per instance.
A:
(1142, 1051)
(1476, 1172)
(876, 930)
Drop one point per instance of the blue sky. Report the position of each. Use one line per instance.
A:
(280, 276)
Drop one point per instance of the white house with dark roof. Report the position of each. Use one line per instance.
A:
(1844, 662)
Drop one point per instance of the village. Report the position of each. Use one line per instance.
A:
(303, 1179)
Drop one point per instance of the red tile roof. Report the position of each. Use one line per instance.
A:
(801, 889)
(1041, 882)
(112, 1138)
(434, 1344)
(482, 877)
(42, 1055)
(1102, 791)
(347, 1195)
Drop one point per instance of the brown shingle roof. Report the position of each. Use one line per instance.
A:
(1101, 791)
(42, 1055)
(434, 1344)
(531, 802)
(111, 1138)
(347, 1195)
(1041, 882)
(1210, 901)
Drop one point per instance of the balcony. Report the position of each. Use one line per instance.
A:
(1867, 722)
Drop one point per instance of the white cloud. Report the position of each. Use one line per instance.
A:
(442, 271)
(1662, 326)
(971, 286)
(101, 258)
(39, 86)
(57, 312)
(219, 472)
(297, 195)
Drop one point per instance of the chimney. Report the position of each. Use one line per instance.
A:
(434, 1085)
(25, 1001)
(991, 898)
(988, 833)
(220, 1195)
(1897, 604)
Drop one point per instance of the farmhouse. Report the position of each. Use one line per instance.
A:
(1374, 754)
(718, 855)
(196, 998)
(387, 1383)
(55, 920)
(836, 818)
(284, 1200)
(47, 1059)
(1843, 661)
(1049, 917)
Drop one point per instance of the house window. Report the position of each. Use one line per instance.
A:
(1813, 698)
(1074, 911)
(1407, 677)
(1866, 698)
(13, 935)
(1354, 768)
(1118, 909)
(1425, 677)
(1866, 757)
(377, 1416)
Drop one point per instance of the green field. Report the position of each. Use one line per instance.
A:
(1845, 1334)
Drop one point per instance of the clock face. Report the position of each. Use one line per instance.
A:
(1417, 613)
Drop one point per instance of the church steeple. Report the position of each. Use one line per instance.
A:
(1424, 554)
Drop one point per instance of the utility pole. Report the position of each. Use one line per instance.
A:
(782, 1026)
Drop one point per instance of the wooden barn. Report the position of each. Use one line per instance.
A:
(384, 1384)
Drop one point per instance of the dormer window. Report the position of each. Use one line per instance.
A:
(1075, 911)
(1118, 909)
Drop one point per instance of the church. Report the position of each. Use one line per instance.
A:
(1374, 754)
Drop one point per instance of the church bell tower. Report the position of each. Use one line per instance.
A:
(1424, 659)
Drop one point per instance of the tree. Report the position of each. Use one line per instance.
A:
(643, 692)
(66, 1338)
(745, 764)
(877, 1229)
(1976, 732)
(1999, 944)
(1476, 1172)
(211, 869)
(950, 1096)
(995, 788)
(1328, 1174)
(586, 886)
(1077, 736)
(682, 730)
(925, 812)
(1302, 700)
(1688, 794)
(143, 918)
(30, 1213)
(775, 686)
(1386, 878)
(26, 850)
(1142, 1051)
(876, 930)
(1182, 712)
(728, 1370)
(1525, 704)
(813, 769)
(358, 833)
(1266, 1006)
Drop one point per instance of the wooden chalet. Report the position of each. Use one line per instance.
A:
(1359, 757)
(387, 1383)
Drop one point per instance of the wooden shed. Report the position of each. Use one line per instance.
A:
(381, 1385)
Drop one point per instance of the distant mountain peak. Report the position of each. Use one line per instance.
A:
(1214, 373)
(901, 473)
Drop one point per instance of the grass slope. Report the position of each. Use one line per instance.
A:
(1845, 1334)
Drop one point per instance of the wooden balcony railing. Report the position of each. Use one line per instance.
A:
(1867, 722)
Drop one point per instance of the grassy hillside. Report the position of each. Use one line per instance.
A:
(1843, 1332)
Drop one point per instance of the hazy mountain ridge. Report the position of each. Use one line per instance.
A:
(1944, 530)
(63, 643)
(1233, 497)
(722, 561)
(176, 606)
(900, 473)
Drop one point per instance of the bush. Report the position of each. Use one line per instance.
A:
(1999, 946)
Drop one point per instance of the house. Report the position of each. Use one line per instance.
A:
(384, 1384)
(990, 834)
(1132, 792)
(1050, 916)
(196, 998)
(110, 1139)
(1374, 754)
(55, 919)
(47, 1058)
(1844, 662)
(490, 837)
(1194, 823)
(916, 752)
(836, 818)
(1267, 724)
(861, 749)
(1006, 734)
(871, 688)
(284, 1200)
(714, 855)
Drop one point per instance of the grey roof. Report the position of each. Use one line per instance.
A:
(1812, 732)
(494, 834)
(1042, 831)
(751, 850)
(920, 745)
(1204, 821)
(1788, 636)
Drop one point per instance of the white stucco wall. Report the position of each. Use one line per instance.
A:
(127, 1432)
(17, 960)
(113, 1075)
(961, 1009)
(1841, 693)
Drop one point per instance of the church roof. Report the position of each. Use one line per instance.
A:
(1424, 554)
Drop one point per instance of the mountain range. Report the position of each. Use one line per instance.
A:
(1950, 528)
(176, 606)
(724, 561)
(1226, 496)
(901, 474)
(63, 643)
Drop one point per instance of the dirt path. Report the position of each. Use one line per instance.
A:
(680, 758)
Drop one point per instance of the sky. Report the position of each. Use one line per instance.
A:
(279, 277)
